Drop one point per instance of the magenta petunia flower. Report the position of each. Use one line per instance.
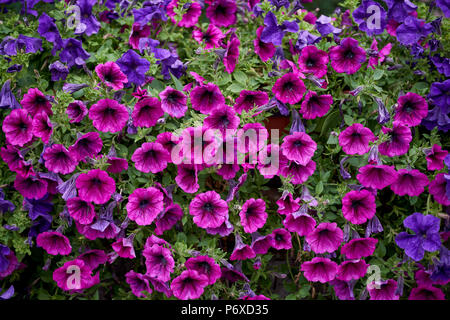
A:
(108, 115)
(281, 239)
(116, 165)
(81, 211)
(168, 141)
(42, 127)
(124, 247)
(383, 290)
(300, 222)
(95, 186)
(93, 258)
(30, 187)
(313, 60)
(144, 205)
(287, 204)
(138, 283)
(168, 218)
(438, 189)
(314, 106)
(208, 210)
(150, 157)
(18, 127)
(399, 139)
(34, 101)
(213, 36)
(12, 157)
(326, 237)
(198, 146)
(59, 160)
(76, 111)
(298, 147)
(426, 292)
(347, 57)
(261, 244)
(54, 243)
(205, 265)
(190, 16)
(252, 138)
(189, 285)
(223, 118)
(289, 88)
(205, 98)
(435, 157)
(111, 75)
(355, 139)
(173, 102)
(247, 100)
(411, 109)
(146, 112)
(358, 248)
(187, 178)
(253, 215)
(411, 182)
(159, 262)
(358, 206)
(298, 172)
(241, 250)
(319, 269)
(231, 54)
(65, 279)
(222, 13)
(377, 176)
(352, 270)
(264, 50)
(138, 32)
(88, 145)
(101, 228)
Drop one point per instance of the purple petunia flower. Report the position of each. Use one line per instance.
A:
(399, 139)
(89, 24)
(59, 160)
(298, 147)
(371, 17)
(73, 53)
(208, 210)
(134, 67)
(445, 7)
(138, 283)
(314, 106)
(150, 157)
(253, 215)
(76, 111)
(264, 50)
(241, 250)
(54, 243)
(300, 222)
(190, 16)
(110, 74)
(377, 176)
(326, 237)
(412, 108)
(173, 102)
(207, 97)
(273, 32)
(412, 30)
(313, 60)
(42, 127)
(305, 38)
(59, 71)
(411, 182)
(144, 205)
(7, 98)
(358, 206)
(351, 270)
(108, 115)
(48, 30)
(81, 211)
(400, 9)
(189, 285)
(96, 186)
(222, 13)
(355, 139)
(324, 26)
(347, 57)
(319, 269)
(223, 118)
(359, 248)
(426, 237)
(205, 265)
(383, 290)
(63, 279)
(231, 54)
(212, 36)
(168, 218)
(439, 94)
(87, 145)
(289, 88)
(435, 157)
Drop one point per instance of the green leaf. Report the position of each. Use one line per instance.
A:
(348, 120)
(177, 82)
(319, 187)
(235, 88)
(240, 77)
(378, 74)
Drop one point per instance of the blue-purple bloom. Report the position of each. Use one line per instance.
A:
(59, 71)
(48, 30)
(442, 64)
(73, 53)
(10, 46)
(7, 98)
(5, 205)
(439, 94)
(444, 5)
(273, 32)
(151, 10)
(399, 9)
(366, 16)
(412, 30)
(305, 38)
(89, 22)
(426, 237)
(324, 26)
(134, 67)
